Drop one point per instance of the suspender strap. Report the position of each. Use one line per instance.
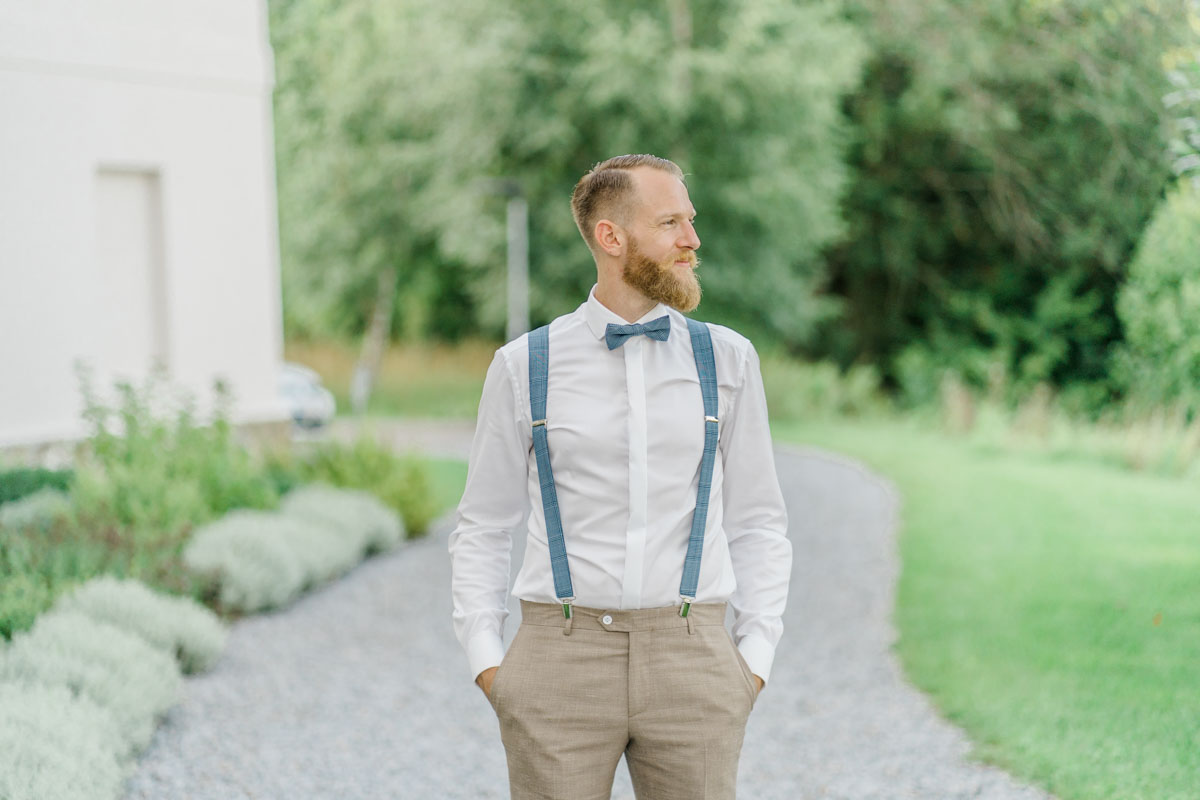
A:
(539, 361)
(707, 370)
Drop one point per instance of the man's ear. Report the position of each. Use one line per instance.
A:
(610, 237)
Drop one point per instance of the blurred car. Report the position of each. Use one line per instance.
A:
(310, 404)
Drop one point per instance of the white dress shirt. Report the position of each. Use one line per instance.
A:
(626, 434)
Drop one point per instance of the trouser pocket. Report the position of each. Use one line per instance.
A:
(500, 678)
(744, 668)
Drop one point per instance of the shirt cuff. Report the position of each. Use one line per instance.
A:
(484, 650)
(759, 655)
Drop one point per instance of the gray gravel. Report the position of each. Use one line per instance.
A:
(361, 691)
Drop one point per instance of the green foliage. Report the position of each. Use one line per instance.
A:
(1160, 307)
(113, 668)
(44, 547)
(39, 562)
(147, 475)
(178, 626)
(22, 481)
(402, 482)
(56, 746)
(154, 474)
(394, 119)
(282, 470)
(922, 185)
(37, 512)
(796, 390)
(23, 595)
(921, 370)
(1005, 157)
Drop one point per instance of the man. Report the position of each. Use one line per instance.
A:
(592, 436)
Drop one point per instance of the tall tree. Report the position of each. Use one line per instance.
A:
(1006, 156)
(347, 191)
(434, 101)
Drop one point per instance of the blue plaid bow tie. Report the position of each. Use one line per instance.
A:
(615, 335)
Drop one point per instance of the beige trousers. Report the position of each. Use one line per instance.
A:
(671, 694)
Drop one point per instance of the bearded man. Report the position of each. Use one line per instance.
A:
(629, 444)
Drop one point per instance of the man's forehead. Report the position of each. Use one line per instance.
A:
(661, 193)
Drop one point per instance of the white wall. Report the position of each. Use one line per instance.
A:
(137, 203)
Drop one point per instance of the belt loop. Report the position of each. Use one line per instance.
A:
(567, 626)
(691, 625)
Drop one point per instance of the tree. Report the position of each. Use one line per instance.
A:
(350, 250)
(1006, 157)
(409, 108)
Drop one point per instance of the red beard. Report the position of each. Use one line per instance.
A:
(663, 282)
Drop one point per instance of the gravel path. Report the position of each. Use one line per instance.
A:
(361, 691)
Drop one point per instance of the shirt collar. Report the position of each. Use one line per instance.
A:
(598, 315)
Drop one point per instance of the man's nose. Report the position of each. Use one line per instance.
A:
(690, 239)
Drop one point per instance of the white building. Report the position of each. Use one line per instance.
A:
(137, 205)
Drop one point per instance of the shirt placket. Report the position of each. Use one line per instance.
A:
(635, 533)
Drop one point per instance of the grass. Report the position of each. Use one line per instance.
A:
(1051, 608)
(416, 380)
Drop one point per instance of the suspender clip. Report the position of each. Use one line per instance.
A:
(686, 605)
(566, 604)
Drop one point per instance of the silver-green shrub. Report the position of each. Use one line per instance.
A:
(253, 556)
(359, 515)
(263, 559)
(39, 510)
(55, 746)
(179, 626)
(135, 682)
(325, 552)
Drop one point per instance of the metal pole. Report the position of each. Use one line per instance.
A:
(518, 266)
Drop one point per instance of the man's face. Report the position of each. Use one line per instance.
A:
(660, 261)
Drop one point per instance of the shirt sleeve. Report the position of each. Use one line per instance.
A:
(494, 504)
(755, 524)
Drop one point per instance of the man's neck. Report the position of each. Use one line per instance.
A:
(623, 300)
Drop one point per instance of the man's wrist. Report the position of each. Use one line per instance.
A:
(759, 655)
(484, 651)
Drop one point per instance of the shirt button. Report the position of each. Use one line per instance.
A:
(606, 619)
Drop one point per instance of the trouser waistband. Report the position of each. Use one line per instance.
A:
(641, 619)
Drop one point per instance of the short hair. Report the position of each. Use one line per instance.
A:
(607, 189)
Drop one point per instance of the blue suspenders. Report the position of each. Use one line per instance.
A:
(539, 355)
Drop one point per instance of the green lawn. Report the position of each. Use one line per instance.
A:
(1050, 608)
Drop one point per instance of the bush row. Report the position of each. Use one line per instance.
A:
(82, 691)
(95, 662)
(255, 560)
